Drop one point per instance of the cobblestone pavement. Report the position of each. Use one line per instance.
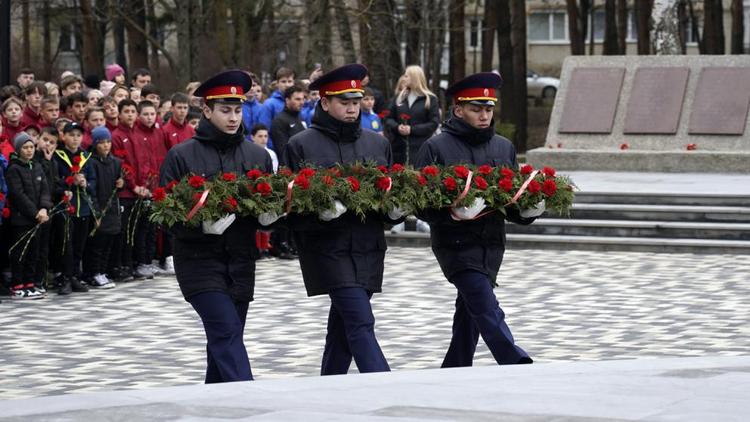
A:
(561, 306)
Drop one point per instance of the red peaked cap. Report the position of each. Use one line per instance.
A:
(344, 82)
(479, 88)
(230, 86)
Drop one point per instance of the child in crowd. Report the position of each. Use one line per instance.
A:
(111, 113)
(260, 137)
(108, 180)
(33, 94)
(177, 129)
(45, 150)
(29, 197)
(50, 111)
(370, 120)
(77, 180)
(12, 109)
(94, 118)
(194, 117)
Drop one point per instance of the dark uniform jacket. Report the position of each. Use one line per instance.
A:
(28, 191)
(285, 125)
(423, 121)
(50, 172)
(108, 169)
(344, 252)
(205, 262)
(477, 244)
(83, 198)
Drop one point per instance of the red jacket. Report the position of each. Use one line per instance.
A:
(176, 133)
(110, 126)
(132, 154)
(87, 140)
(11, 131)
(156, 143)
(6, 147)
(30, 117)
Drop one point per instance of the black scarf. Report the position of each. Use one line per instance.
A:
(467, 133)
(336, 129)
(209, 134)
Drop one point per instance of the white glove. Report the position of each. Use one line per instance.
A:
(396, 213)
(219, 226)
(336, 212)
(534, 212)
(470, 212)
(267, 218)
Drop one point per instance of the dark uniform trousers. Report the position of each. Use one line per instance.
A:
(351, 333)
(224, 323)
(478, 312)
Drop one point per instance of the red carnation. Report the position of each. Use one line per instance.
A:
(159, 194)
(507, 173)
(302, 182)
(327, 180)
(353, 182)
(480, 183)
(229, 177)
(485, 170)
(692, 147)
(461, 172)
(450, 183)
(69, 180)
(254, 174)
(421, 180)
(196, 181)
(71, 209)
(549, 187)
(548, 171)
(120, 153)
(383, 169)
(506, 184)
(404, 117)
(334, 172)
(263, 188)
(6, 212)
(171, 185)
(77, 160)
(307, 172)
(624, 146)
(285, 171)
(66, 198)
(396, 168)
(75, 169)
(127, 168)
(2, 196)
(197, 197)
(526, 169)
(430, 171)
(383, 114)
(383, 183)
(534, 187)
(230, 203)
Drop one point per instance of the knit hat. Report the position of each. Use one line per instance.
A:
(113, 70)
(100, 133)
(106, 87)
(20, 139)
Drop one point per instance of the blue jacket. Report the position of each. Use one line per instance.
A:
(371, 121)
(273, 105)
(253, 113)
(307, 112)
(3, 186)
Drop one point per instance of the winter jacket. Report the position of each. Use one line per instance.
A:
(155, 142)
(285, 125)
(175, 133)
(108, 170)
(83, 198)
(372, 122)
(273, 105)
(31, 117)
(3, 186)
(306, 114)
(10, 133)
(137, 162)
(253, 112)
(344, 252)
(6, 147)
(206, 262)
(423, 121)
(477, 244)
(28, 191)
(50, 173)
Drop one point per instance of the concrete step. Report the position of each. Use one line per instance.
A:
(704, 199)
(597, 243)
(627, 228)
(695, 213)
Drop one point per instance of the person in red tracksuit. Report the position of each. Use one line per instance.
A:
(177, 129)
(33, 93)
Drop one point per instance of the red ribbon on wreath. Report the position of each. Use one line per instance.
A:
(198, 205)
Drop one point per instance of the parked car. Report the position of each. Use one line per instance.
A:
(541, 86)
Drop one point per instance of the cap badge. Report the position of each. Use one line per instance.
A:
(234, 90)
(354, 84)
(486, 92)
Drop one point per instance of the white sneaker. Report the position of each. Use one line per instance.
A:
(169, 266)
(157, 270)
(143, 271)
(423, 227)
(101, 281)
(398, 228)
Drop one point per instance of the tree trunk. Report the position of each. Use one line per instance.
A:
(92, 61)
(577, 38)
(26, 29)
(153, 31)
(488, 34)
(118, 33)
(46, 42)
(592, 38)
(666, 30)
(738, 28)
(184, 43)
(713, 27)
(518, 41)
(380, 43)
(345, 31)
(457, 40)
(694, 30)
(719, 27)
(611, 43)
(505, 49)
(412, 24)
(437, 18)
(622, 26)
(643, 16)
(320, 34)
(137, 47)
(682, 17)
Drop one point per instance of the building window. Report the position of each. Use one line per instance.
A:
(548, 26)
(67, 39)
(474, 34)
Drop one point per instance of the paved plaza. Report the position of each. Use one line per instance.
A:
(562, 306)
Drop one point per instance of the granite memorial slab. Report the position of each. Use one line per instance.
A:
(591, 100)
(722, 99)
(656, 100)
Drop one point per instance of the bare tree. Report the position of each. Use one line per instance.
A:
(713, 27)
(345, 31)
(643, 19)
(92, 59)
(457, 40)
(666, 31)
(622, 26)
(412, 24)
(518, 41)
(135, 25)
(319, 33)
(46, 42)
(611, 43)
(488, 34)
(577, 25)
(379, 42)
(738, 28)
(26, 28)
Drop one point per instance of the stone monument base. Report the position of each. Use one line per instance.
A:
(644, 161)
